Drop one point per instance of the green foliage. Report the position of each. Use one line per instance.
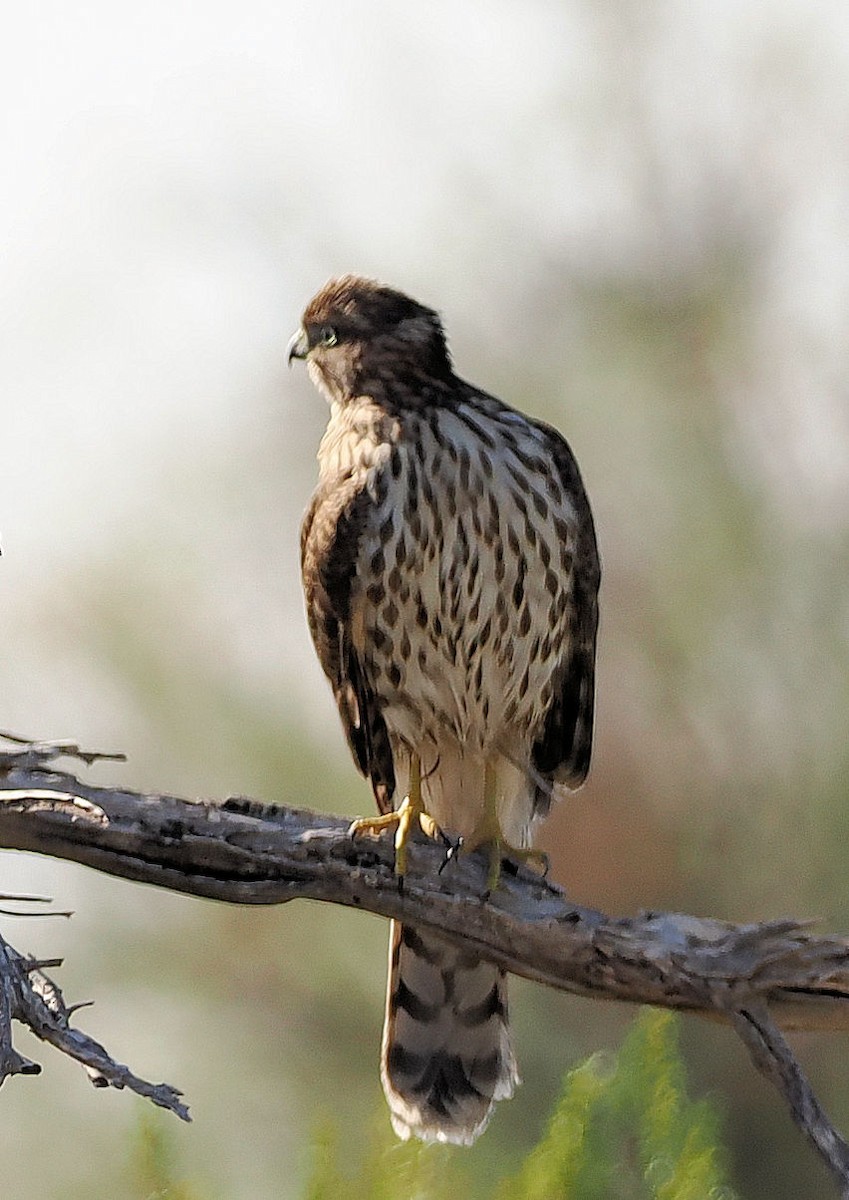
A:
(153, 1168)
(391, 1170)
(679, 1153)
(623, 1129)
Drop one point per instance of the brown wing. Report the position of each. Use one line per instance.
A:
(330, 537)
(562, 752)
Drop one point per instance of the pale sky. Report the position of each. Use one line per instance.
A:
(176, 185)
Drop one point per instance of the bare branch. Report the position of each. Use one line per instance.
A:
(27, 995)
(756, 976)
(772, 1056)
(245, 852)
(39, 753)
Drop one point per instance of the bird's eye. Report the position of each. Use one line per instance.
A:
(327, 336)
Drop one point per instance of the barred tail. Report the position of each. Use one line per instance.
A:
(446, 1054)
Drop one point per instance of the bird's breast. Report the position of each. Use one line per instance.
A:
(462, 584)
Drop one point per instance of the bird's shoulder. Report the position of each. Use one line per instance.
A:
(528, 452)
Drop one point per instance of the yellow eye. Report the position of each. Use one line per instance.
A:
(327, 336)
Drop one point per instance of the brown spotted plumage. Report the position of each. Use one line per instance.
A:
(451, 576)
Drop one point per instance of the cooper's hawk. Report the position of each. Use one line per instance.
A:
(451, 575)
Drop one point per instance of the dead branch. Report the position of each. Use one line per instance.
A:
(29, 996)
(774, 1058)
(758, 977)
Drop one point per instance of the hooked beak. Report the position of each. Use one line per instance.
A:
(298, 347)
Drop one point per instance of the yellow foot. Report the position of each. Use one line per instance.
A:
(527, 855)
(498, 849)
(487, 834)
(403, 819)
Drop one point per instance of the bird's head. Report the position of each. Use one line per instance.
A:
(355, 331)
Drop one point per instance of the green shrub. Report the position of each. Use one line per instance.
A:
(623, 1129)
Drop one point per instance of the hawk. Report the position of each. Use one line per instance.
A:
(450, 573)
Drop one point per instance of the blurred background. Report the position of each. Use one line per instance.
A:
(634, 218)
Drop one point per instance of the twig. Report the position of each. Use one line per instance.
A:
(44, 752)
(774, 1058)
(31, 997)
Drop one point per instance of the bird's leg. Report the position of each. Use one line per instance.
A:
(410, 812)
(488, 833)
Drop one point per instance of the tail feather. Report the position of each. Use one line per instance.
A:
(446, 1054)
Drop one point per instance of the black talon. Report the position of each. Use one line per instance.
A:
(453, 849)
(545, 860)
